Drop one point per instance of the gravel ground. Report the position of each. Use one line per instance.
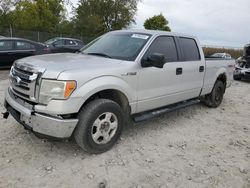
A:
(193, 147)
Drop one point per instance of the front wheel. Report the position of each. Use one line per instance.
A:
(215, 98)
(100, 126)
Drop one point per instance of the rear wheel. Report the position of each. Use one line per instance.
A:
(215, 98)
(100, 126)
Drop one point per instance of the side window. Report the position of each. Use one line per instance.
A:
(164, 45)
(189, 49)
(79, 42)
(70, 42)
(21, 45)
(58, 42)
(6, 45)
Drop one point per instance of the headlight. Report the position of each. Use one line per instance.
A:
(54, 89)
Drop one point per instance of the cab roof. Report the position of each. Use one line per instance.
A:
(155, 32)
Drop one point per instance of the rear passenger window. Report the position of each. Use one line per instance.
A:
(20, 45)
(5, 45)
(70, 42)
(164, 45)
(79, 42)
(189, 49)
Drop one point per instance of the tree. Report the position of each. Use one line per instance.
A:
(95, 17)
(5, 12)
(157, 22)
(41, 15)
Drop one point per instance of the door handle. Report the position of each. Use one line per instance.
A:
(201, 69)
(178, 71)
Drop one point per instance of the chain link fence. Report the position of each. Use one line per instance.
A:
(38, 36)
(44, 36)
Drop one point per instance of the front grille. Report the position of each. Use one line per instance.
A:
(20, 94)
(24, 81)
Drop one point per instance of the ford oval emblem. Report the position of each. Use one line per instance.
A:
(17, 80)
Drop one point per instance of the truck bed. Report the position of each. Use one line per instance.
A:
(215, 66)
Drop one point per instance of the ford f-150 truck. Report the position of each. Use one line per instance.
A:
(118, 77)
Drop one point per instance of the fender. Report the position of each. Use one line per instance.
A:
(222, 70)
(104, 83)
(209, 86)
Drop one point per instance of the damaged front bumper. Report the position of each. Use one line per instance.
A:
(40, 123)
(242, 72)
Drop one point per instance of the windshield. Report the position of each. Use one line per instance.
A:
(50, 41)
(123, 46)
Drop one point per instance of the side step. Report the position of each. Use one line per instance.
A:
(155, 113)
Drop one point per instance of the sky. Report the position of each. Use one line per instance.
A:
(214, 22)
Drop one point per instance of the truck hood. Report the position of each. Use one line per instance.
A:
(54, 64)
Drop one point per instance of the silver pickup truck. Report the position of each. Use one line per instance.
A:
(119, 77)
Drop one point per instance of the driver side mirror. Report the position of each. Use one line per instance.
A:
(154, 60)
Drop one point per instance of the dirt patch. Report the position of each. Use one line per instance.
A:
(193, 147)
(4, 74)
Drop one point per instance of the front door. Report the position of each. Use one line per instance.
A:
(6, 53)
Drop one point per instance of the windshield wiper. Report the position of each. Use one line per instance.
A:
(100, 54)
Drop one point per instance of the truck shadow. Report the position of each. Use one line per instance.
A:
(130, 132)
(134, 133)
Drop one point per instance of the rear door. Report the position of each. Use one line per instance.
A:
(6, 53)
(70, 46)
(193, 67)
(24, 49)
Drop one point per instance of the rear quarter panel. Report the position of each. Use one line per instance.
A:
(214, 68)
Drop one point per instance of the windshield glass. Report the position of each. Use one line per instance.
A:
(50, 41)
(123, 46)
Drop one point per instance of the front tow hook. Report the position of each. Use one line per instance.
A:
(5, 115)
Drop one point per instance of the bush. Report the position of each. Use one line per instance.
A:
(235, 53)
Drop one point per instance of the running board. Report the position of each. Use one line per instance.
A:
(155, 113)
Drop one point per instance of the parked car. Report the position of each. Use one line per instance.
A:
(12, 49)
(221, 55)
(135, 74)
(62, 45)
(242, 68)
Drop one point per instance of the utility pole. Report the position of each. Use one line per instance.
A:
(10, 31)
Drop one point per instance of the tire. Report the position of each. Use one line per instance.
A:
(100, 126)
(237, 77)
(215, 98)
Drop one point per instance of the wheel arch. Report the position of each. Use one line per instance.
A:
(222, 77)
(108, 87)
(112, 94)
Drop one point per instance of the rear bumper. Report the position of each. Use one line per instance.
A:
(40, 123)
(246, 76)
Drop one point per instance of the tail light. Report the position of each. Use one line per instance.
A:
(46, 50)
